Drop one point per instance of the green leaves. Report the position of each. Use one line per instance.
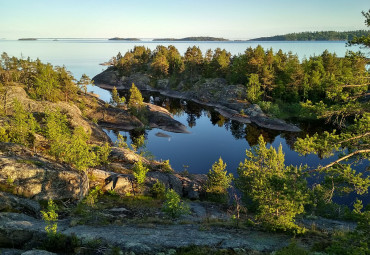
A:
(173, 206)
(139, 172)
(277, 193)
(218, 181)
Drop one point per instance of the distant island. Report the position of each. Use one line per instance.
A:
(199, 38)
(27, 39)
(124, 39)
(316, 36)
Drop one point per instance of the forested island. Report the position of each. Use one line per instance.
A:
(123, 39)
(317, 36)
(66, 188)
(192, 39)
(27, 39)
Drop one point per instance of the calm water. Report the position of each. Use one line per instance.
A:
(211, 136)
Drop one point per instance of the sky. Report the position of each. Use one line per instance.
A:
(232, 19)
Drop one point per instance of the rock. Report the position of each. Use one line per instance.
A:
(106, 77)
(37, 177)
(38, 252)
(159, 117)
(122, 184)
(9, 202)
(11, 251)
(17, 229)
(170, 180)
(160, 134)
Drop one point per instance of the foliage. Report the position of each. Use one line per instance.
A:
(139, 172)
(136, 99)
(121, 141)
(276, 192)
(72, 148)
(356, 242)
(158, 190)
(166, 167)
(316, 36)
(352, 148)
(218, 181)
(254, 89)
(92, 197)
(51, 218)
(116, 100)
(362, 39)
(22, 127)
(292, 249)
(173, 206)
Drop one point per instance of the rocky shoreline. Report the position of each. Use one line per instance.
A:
(213, 93)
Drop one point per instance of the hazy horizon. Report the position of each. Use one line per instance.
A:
(236, 19)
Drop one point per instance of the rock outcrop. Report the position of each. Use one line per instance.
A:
(215, 93)
(32, 176)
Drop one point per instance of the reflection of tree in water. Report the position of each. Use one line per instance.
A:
(237, 129)
(252, 132)
(194, 112)
(216, 118)
(138, 137)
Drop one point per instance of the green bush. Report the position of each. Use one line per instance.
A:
(173, 206)
(158, 190)
(139, 171)
(277, 192)
(218, 182)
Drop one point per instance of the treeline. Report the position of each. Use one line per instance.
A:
(268, 76)
(41, 81)
(316, 36)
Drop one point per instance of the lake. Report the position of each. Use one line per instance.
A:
(211, 136)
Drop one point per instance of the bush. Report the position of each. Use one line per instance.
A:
(139, 171)
(158, 190)
(173, 206)
(277, 193)
(218, 182)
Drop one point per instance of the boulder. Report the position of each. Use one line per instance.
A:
(9, 202)
(32, 176)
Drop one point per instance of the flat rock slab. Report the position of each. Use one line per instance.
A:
(162, 237)
(17, 229)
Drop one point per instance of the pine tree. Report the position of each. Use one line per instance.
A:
(276, 192)
(136, 99)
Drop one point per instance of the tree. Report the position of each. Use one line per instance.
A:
(352, 148)
(218, 181)
(116, 100)
(83, 82)
(363, 40)
(160, 65)
(276, 192)
(254, 89)
(136, 99)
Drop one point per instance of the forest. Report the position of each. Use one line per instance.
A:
(316, 36)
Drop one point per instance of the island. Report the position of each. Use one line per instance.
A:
(27, 39)
(193, 39)
(316, 36)
(123, 39)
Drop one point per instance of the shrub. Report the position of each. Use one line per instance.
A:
(139, 171)
(166, 167)
(50, 217)
(158, 190)
(277, 193)
(173, 206)
(218, 181)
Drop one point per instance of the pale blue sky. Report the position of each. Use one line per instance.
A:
(233, 19)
